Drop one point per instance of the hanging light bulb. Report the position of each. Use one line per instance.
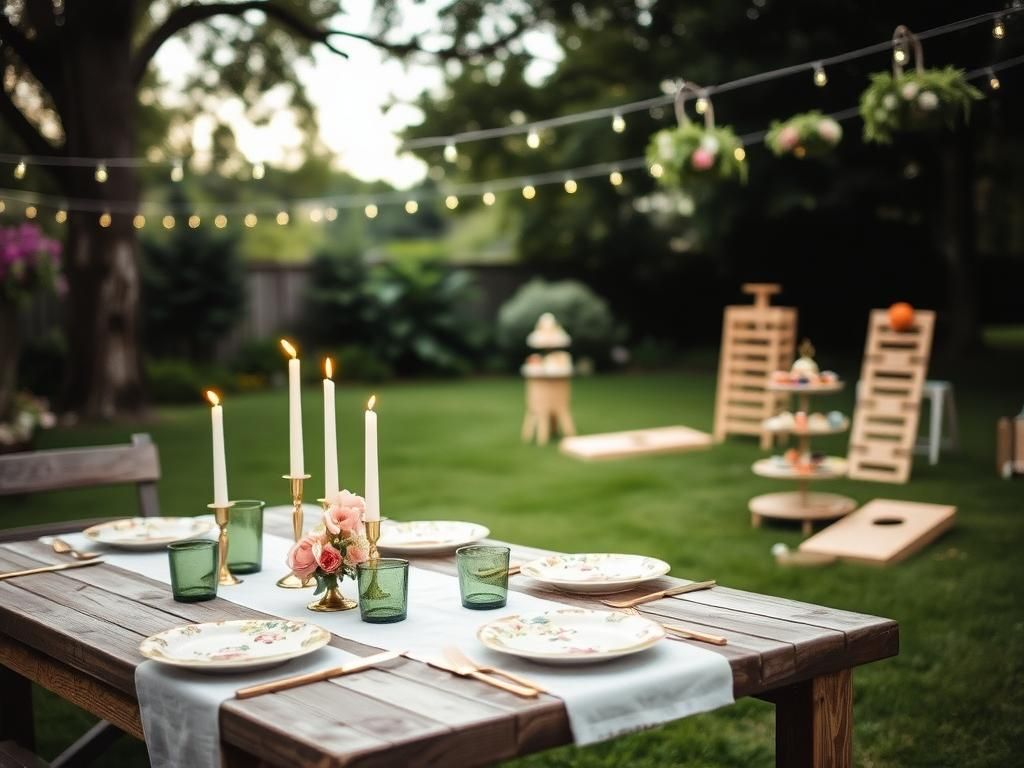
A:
(139, 221)
(899, 55)
(451, 202)
(618, 123)
(993, 81)
(529, 192)
(220, 221)
(998, 28)
(533, 139)
(19, 170)
(451, 153)
(60, 216)
(657, 170)
(740, 154)
(820, 77)
(177, 171)
(571, 186)
(315, 215)
(101, 173)
(411, 206)
(105, 219)
(250, 220)
(370, 211)
(615, 178)
(331, 213)
(30, 212)
(193, 221)
(168, 222)
(259, 170)
(702, 105)
(489, 198)
(282, 217)
(3, 206)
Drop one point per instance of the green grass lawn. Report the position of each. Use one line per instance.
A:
(952, 697)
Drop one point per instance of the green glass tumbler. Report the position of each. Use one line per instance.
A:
(383, 590)
(245, 536)
(483, 576)
(193, 570)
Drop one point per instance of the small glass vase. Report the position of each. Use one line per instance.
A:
(332, 599)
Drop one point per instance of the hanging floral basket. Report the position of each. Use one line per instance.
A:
(922, 100)
(809, 134)
(692, 155)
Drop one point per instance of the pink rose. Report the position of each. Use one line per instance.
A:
(788, 138)
(328, 558)
(301, 559)
(702, 159)
(345, 515)
(355, 555)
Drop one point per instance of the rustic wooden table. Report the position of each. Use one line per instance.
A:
(77, 633)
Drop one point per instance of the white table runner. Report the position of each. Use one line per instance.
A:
(667, 682)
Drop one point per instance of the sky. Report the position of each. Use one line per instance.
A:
(350, 97)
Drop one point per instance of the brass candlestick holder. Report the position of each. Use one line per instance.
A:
(373, 590)
(221, 512)
(291, 581)
(372, 536)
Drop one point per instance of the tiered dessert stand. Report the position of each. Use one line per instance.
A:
(548, 383)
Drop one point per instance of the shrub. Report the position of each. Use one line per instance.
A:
(181, 381)
(583, 314)
(42, 363)
(260, 358)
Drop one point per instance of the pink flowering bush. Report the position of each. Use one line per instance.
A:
(334, 548)
(29, 261)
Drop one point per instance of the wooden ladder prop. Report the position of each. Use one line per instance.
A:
(889, 398)
(757, 339)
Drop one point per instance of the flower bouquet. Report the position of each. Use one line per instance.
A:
(29, 261)
(27, 414)
(917, 101)
(692, 154)
(809, 134)
(332, 550)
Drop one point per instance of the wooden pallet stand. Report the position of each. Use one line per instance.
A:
(889, 398)
(756, 340)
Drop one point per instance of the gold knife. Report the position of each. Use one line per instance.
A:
(284, 683)
(48, 568)
(680, 590)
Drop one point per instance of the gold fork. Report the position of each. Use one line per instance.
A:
(680, 590)
(458, 658)
(61, 547)
(677, 632)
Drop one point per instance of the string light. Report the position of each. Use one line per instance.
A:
(657, 169)
(3, 206)
(101, 173)
(529, 192)
(740, 154)
(411, 206)
(168, 222)
(316, 215)
(105, 219)
(220, 221)
(19, 170)
(998, 28)
(451, 153)
(60, 216)
(193, 221)
(370, 211)
(993, 81)
(899, 55)
(31, 211)
(615, 177)
(139, 221)
(489, 198)
(820, 77)
(451, 202)
(282, 217)
(250, 220)
(618, 123)
(533, 139)
(702, 105)
(571, 186)
(259, 170)
(331, 214)
(177, 171)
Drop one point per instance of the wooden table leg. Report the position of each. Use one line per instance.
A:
(16, 721)
(814, 722)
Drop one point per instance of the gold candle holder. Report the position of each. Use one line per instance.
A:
(372, 535)
(373, 590)
(221, 512)
(291, 581)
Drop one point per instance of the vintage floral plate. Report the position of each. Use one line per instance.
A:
(571, 635)
(428, 537)
(147, 532)
(595, 573)
(234, 646)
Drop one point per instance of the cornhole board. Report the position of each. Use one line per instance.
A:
(637, 442)
(882, 532)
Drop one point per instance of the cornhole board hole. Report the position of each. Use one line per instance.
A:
(637, 442)
(882, 532)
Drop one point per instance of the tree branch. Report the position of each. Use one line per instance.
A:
(194, 13)
(26, 50)
(29, 135)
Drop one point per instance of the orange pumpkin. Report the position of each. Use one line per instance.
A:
(901, 316)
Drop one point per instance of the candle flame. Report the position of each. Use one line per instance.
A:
(212, 397)
(287, 346)
(373, 400)
(328, 368)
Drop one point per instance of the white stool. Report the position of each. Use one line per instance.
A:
(940, 403)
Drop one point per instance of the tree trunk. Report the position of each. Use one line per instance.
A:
(105, 373)
(9, 348)
(957, 246)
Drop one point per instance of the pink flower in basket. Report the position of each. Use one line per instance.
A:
(702, 159)
(328, 558)
(345, 515)
(788, 138)
(301, 559)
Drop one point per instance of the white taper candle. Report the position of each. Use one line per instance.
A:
(330, 435)
(220, 471)
(372, 491)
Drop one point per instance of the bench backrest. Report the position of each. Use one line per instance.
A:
(64, 469)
